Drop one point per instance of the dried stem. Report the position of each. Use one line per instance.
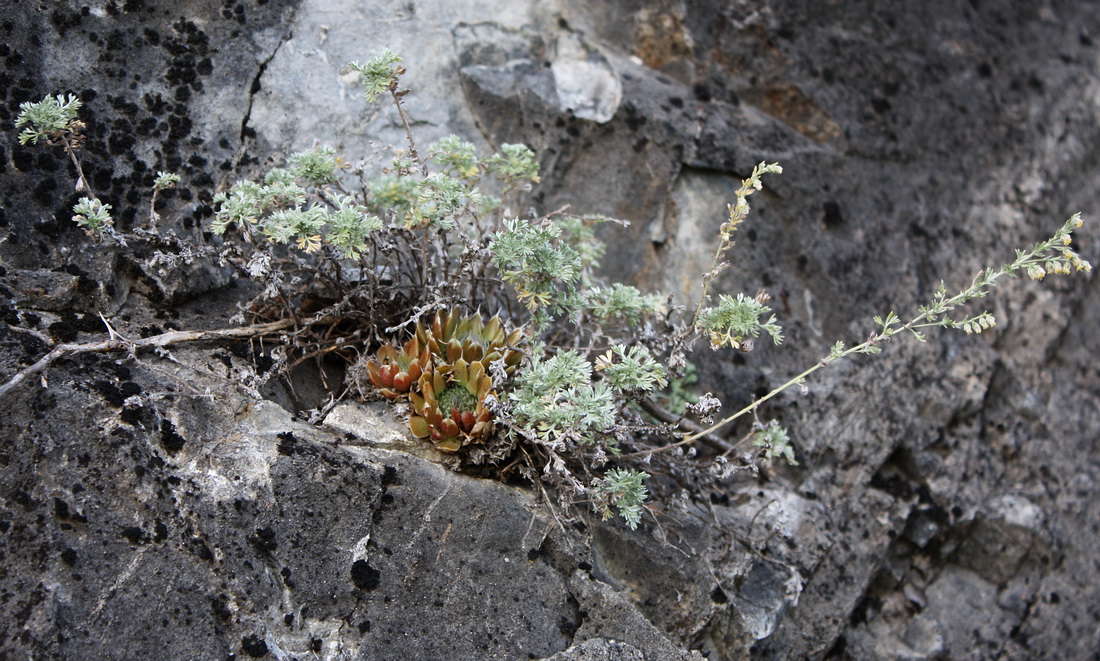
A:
(118, 343)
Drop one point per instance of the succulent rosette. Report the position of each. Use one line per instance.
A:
(450, 408)
(395, 372)
(451, 336)
(445, 370)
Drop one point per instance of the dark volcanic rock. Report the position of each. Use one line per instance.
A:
(942, 503)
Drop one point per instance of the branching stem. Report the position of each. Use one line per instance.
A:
(117, 343)
(1040, 257)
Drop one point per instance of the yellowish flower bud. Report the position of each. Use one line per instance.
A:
(604, 361)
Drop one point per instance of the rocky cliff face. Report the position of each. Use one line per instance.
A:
(942, 505)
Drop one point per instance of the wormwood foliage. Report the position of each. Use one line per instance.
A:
(542, 268)
(621, 303)
(50, 119)
(92, 215)
(490, 330)
(54, 121)
(165, 180)
(379, 75)
(621, 488)
(555, 402)
(632, 369)
(734, 321)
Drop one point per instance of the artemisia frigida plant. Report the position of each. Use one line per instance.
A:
(488, 329)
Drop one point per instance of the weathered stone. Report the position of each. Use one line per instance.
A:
(179, 281)
(942, 505)
(41, 290)
(230, 525)
(375, 425)
(1003, 535)
(600, 649)
(611, 615)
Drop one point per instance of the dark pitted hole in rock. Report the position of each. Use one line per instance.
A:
(568, 628)
(263, 540)
(60, 509)
(68, 556)
(247, 351)
(169, 438)
(133, 416)
(897, 476)
(253, 646)
(864, 611)
(134, 535)
(831, 215)
(288, 444)
(718, 595)
(73, 323)
(110, 392)
(201, 550)
(219, 605)
(364, 576)
(839, 650)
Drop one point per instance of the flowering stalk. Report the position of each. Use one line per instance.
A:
(738, 211)
(1050, 256)
(163, 182)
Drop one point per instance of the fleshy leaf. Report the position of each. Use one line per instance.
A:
(419, 426)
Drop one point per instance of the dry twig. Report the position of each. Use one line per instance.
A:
(118, 343)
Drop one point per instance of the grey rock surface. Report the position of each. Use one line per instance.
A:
(943, 502)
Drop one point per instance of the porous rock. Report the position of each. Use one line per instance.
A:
(941, 506)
